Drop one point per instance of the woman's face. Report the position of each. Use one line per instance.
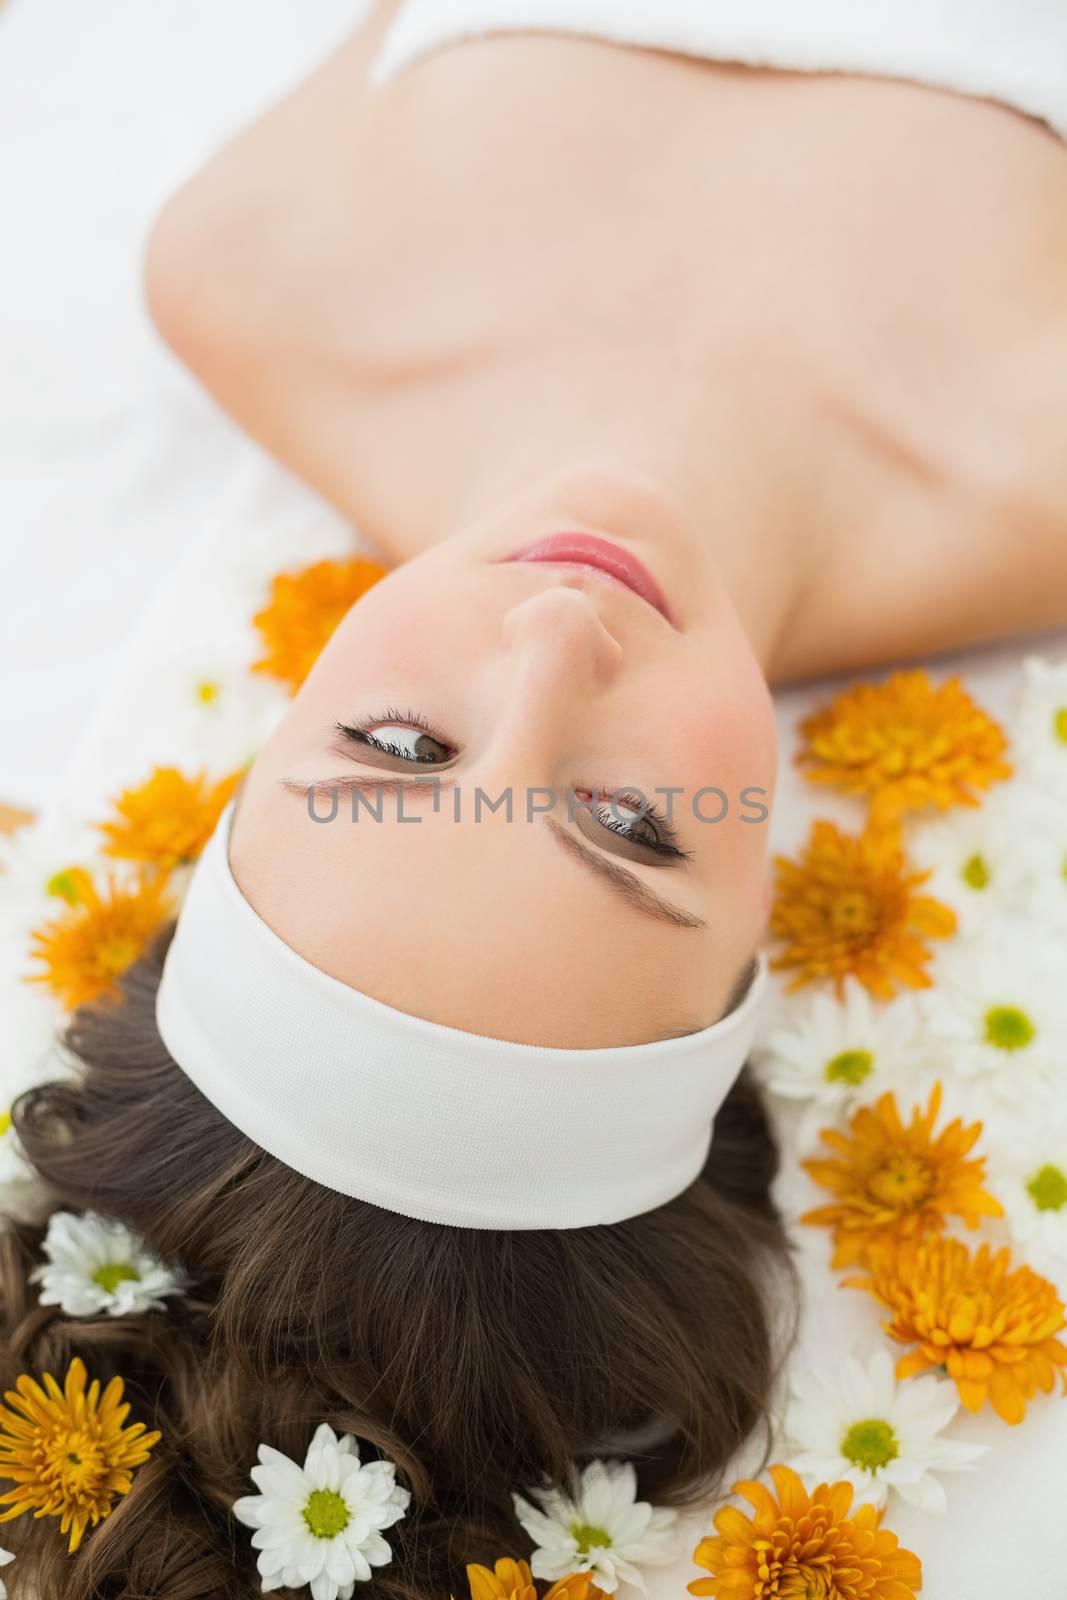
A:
(466, 680)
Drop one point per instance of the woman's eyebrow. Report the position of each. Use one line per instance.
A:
(326, 788)
(625, 884)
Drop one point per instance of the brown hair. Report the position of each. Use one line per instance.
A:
(480, 1362)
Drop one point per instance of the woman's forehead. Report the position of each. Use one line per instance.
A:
(482, 924)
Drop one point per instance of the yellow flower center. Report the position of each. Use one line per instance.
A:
(1048, 1188)
(851, 913)
(75, 1463)
(850, 1067)
(870, 1444)
(64, 885)
(903, 1181)
(587, 1536)
(1059, 724)
(5, 1123)
(975, 873)
(326, 1514)
(207, 690)
(112, 1273)
(805, 1583)
(115, 954)
(1008, 1028)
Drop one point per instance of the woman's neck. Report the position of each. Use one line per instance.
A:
(736, 491)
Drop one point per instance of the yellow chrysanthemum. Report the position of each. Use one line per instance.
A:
(894, 1182)
(993, 1328)
(803, 1547)
(304, 609)
(167, 821)
(513, 1580)
(848, 906)
(88, 947)
(67, 1450)
(905, 744)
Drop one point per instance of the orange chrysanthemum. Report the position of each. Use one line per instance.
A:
(906, 745)
(894, 1182)
(87, 948)
(304, 609)
(803, 1547)
(169, 819)
(513, 1580)
(993, 1328)
(848, 906)
(67, 1451)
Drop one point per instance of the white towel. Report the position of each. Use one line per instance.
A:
(1014, 51)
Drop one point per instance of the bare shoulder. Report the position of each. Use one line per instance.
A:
(962, 549)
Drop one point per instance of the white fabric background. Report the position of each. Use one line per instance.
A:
(121, 486)
(110, 457)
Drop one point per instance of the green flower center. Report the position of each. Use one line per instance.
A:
(850, 1067)
(903, 1181)
(63, 886)
(112, 1273)
(1059, 724)
(1048, 1188)
(851, 912)
(1008, 1028)
(326, 1514)
(975, 872)
(589, 1537)
(870, 1444)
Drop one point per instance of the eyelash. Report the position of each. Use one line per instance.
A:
(364, 733)
(666, 846)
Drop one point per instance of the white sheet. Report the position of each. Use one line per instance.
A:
(113, 465)
(110, 457)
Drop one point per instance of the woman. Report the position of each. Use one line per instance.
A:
(681, 380)
(795, 343)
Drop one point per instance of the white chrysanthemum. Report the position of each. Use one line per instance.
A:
(1028, 1175)
(95, 1265)
(998, 1011)
(216, 711)
(320, 1524)
(841, 1053)
(855, 1423)
(1046, 864)
(978, 860)
(34, 862)
(601, 1528)
(1041, 739)
(5, 1557)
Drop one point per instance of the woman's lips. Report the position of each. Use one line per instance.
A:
(598, 555)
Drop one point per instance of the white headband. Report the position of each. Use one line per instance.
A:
(424, 1120)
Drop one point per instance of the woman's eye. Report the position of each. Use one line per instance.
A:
(409, 743)
(627, 826)
(629, 822)
(407, 740)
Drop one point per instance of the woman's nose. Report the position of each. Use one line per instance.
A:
(555, 656)
(556, 639)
